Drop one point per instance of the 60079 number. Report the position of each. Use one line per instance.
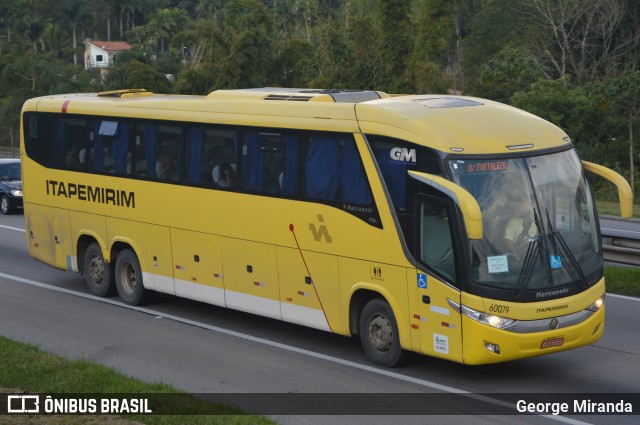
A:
(499, 308)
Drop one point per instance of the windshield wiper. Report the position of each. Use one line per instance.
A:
(529, 259)
(557, 237)
(527, 267)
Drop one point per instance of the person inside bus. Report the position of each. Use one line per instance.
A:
(519, 229)
(227, 176)
(72, 160)
(167, 168)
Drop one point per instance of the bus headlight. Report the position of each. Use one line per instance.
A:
(487, 319)
(16, 192)
(597, 304)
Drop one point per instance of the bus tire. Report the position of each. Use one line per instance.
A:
(97, 273)
(379, 334)
(128, 276)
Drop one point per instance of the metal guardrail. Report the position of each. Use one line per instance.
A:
(621, 247)
(7, 152)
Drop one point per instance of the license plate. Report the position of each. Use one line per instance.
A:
(552, 342)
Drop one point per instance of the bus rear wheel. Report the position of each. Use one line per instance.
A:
(128, 276)
(97, 273)
(379, 334)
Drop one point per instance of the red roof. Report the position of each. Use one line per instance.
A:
(111, 46)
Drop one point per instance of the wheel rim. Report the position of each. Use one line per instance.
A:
(96, 269)
(5, 204)
(380, 333)
(128, 278)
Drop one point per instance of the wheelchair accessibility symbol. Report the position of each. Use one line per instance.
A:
(422, 280)
(556, 262)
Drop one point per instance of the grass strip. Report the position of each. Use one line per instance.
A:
(623, 280)
(27, 369)
(613, 208)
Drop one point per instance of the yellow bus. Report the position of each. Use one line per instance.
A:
(451, 226)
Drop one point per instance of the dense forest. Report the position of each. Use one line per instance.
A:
(573, 62)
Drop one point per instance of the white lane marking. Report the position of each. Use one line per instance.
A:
(389, 374)
(17, 229)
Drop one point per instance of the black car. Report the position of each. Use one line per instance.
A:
(10, 185)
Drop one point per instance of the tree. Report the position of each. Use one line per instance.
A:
(247, 36)
(395, 43)
(580, 38)
(165, 23)
(623, 95)
(573, 110)
(55, 41)
(73, 13)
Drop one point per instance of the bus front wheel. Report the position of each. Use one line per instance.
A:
(97, 273)
(379, 334)
(129, 279)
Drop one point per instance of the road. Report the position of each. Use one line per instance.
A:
(205, 349)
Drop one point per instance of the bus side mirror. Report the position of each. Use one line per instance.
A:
(463, 199)
(624, 189)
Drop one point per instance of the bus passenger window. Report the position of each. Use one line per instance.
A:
(71, 137)
(37, 138)
(322, 165)
(159, 151)
(270, 162)
(109, 147)
(334, 171)
(221, 149)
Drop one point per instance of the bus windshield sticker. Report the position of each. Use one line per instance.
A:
(422, 280)
(556, 262)
(108, 128)
(498, 264)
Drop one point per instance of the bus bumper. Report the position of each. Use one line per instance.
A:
(483, 344)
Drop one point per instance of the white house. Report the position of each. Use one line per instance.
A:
(100, 54)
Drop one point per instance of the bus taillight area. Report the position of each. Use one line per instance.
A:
(532, 329)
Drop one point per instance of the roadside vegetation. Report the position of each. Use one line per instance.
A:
(27, 369)
(613, 209)
(623, 280)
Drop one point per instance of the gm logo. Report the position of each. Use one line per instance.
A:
(403, 155)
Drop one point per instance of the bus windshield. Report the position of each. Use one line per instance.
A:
(539, 221)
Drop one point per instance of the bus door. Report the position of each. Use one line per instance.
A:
(436, 295)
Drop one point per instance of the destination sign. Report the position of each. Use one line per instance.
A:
(485, 167)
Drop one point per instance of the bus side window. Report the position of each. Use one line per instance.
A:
(38, 138)
(222, 163)
(158, 151)
(70, 140)
(322, 165)
(109, 147)
(354, 186)
(196, 155)
(270, 162)
(289, 178)
(435, 245)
